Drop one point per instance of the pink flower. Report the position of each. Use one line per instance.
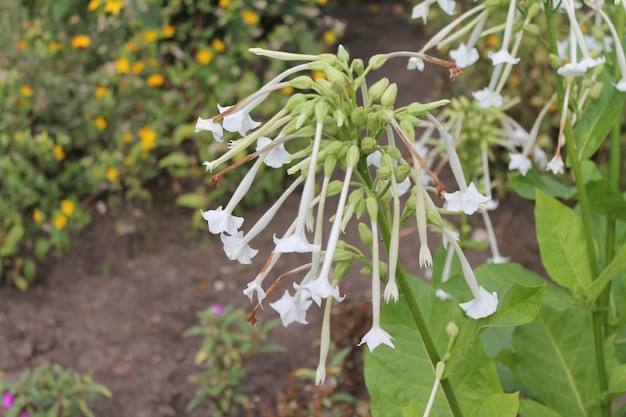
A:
(218, 309)
(7, 400)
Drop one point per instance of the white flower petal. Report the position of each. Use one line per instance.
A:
(421, 10)
(415, 63)
(391, 292)
(572, 69)
(556, 165)
(294, 243)
(520, 162)
(503, 56)
(292, 309)
(320, 288)
(482, 306)
(237, 250)
(467, 202)
(425, 257)
(621, 85)
(377, 336)
(374, 159)
(464, 56)
(487, 98)
(211, 126)
(221, 221)
(254, 287)
(238, 121)
(442, 295)
(447, 6)
(499, 259)
(277, 156)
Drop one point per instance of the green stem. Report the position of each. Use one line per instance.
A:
(414, 308)
(597, 315)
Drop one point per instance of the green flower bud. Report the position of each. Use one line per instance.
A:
(302, 82)
(339, 117)
(373, 122)
(555, 61)
(386, 115)
(402, 172)
(388, 98)
(452, 330)
(377, 61)
(358, 117)
(393, 152)
(357, 66)
(365, 234)
(330, 148)
(294, 101)
(334, 188)
(368, 145)
(386, 161)
(377, 90)
(343, 54)
(411, 202)
(383, 173)
(329, 165)
(417, 109)
(321, 110)
(353, 156)
(342, 255)
(596, 90)
(408, 129)
(532, 11)
(532, 29)
(342, 269)
(372, 208)
(334, 75)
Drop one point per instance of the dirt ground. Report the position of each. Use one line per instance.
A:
(119, 307)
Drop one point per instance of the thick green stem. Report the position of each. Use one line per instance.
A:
(597, 314)
(416, 312)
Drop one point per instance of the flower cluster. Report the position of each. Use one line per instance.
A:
(336, 126)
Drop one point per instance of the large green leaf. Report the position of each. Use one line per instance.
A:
(604, 199)
(597, 121)
(616, 266)
(561, 244)
(400, 380)
(530, 408)
(525, 185)
(553, 361)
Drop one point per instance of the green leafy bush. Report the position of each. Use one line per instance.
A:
(96, 101)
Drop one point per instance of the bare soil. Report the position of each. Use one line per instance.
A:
(118, 304)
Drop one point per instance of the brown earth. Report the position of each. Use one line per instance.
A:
(119, 304)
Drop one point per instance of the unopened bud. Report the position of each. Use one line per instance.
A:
(368, 145)
(372, 208)
(377, 90)
(353, 155)
(302, 82)
(377, 61)
(452, 330)
(334, 188)
(388, 98)
(321, 109)
(358, 117)
(342, 269)
(402, 172)
(532, 29)
(408, 128)
(372, 123)
(383, 173)
(329, 165)
(343, 54)
(596, 90)
(365, 234)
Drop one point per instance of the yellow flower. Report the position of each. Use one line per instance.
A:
(329, 37)
(113, 6)
(100, 123)
(22, 44)
(493, 40)
(287, 90)
(322, 2)
(127, 137)
(204, 56)
(101, 91)
(224, 3)
(218, 45)
(67, 207)
(138, 67)
(155, 80)
(55, 46)
(150, 35)
(26, 91)
(58, 153)
(93, 5)
(60, 221)
(37, 216)
(147, 137)
(18, 136)
(112, 174)
(249, 17)
(168, 31)
(122, 65)
(318, 74)
(81, 41)
(584, 29)
(131, 46)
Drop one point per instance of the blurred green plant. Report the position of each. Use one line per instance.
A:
(95, 100)
(229, 343)
(50, 391)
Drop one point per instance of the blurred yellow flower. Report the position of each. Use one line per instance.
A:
(153, 62)
(218, 45)
(122, 65)
(67, 207)
(113, 6)
(55, 46)
(287, 90)
(100, 123)
(329, 37)
(515, 80)
(101, 91)
(147, 137)
(60, 221)
(322, 2)
(93, 5)
(150, 35)
(168, 31)
(81, 41)
(26, 91)
(493, 40)
(131, 46)
(37, 216)
(155, 80)
(18, 136)
(128, 160)
(318, 74)
(249, 17)
(58, 153)
(22, 44)
(127, 137)
(204, 56)
(112, 174)
(224, 3)
(137, 67)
